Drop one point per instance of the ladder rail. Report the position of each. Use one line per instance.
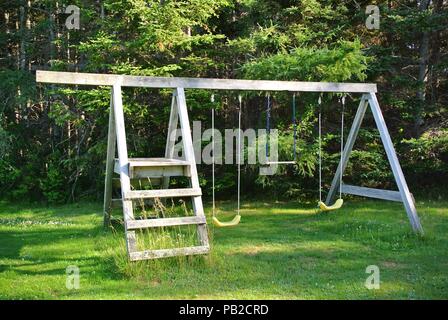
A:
(160, 168)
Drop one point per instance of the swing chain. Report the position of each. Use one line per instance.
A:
(319, 101)
(239, 151)
(212, 99)
(294, 122)
(342, 146)
(268, 122)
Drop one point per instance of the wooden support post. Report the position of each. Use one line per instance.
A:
(124, 165)
(111, 140)
(171, 136)
(372, 193)
(347, 149)
(189, 156)
(179, 112)
(200, 83)
(406, 196)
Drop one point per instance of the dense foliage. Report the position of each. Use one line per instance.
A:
(53, 139)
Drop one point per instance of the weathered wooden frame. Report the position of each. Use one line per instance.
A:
(403, 195)
(200, 83)
(179, 111)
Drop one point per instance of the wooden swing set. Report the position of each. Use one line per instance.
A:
(162, 169)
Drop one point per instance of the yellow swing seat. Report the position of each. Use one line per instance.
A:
(337, 205)
(231, 223)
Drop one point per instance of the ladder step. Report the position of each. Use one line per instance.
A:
(165, 253)
(156, 162)
(164, 222)
(155, 167)
(268, 163)
(163, 193)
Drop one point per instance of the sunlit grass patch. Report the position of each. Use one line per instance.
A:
(278, 251)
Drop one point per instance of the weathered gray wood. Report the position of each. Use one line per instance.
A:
(157, 162)
(171, 137)
(111, 140)
(406, 196)
(268, 163)
(155, 168)
(165, 253)
(155, 172)
(347, 149)
(372, 193)
(163, 193)
(122, 149)
(126, 165)
(187, 143)
(128, 213)
(200, 83)
(164, 222)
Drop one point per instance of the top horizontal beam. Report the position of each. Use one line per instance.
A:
(94, 79)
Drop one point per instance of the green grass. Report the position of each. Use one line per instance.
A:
(279, 251)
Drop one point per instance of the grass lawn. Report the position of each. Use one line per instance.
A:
(279, 251)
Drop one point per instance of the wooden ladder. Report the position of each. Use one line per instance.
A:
(159, 170)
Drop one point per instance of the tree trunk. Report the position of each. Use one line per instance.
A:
(435, 44)
(422, 73)
(23, 33)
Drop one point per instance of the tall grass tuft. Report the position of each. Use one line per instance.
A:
(157, 238)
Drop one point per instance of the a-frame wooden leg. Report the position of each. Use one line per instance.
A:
(189, 156)
(124, 166)
(171, 136)
(111, 140)
(406, 196)
(348, 148)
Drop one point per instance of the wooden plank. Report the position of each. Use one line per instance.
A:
(141, 172)
(156, 162)
(406, 196)
(164, 222)
(128, 213)
(372, 193)
(111, 140)
(155, 168)
(268, 163)
(123, 162)
(188, 152)
(200, 83)
(171, 136)
(158, 167)
(165, 253)
(347, 149)
(163, 193)
(155, 172)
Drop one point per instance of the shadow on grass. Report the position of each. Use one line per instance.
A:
(52, 250)
(281, 249)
